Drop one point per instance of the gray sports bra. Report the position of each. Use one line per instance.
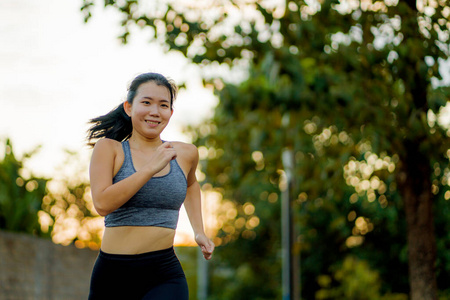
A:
(157, 203)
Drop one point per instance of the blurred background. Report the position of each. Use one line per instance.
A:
(322, 127)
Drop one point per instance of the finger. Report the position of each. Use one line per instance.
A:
(166, 145)
(210, 246)
(174, 155)
(208, 251)
(169, 147)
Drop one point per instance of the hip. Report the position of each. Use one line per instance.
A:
(136, 239)
(131, 276)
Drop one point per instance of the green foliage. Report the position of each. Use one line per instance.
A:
(67, 209)
(20, 194)
(61, 209)
(353, 279)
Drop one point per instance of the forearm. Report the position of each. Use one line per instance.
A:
(193, 206)
(117, 194)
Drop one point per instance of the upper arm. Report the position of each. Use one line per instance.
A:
(101, 169)
(193, 158)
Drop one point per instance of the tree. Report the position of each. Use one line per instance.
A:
(334, 81)
(67, 210)
(58, 208)
(20, 194)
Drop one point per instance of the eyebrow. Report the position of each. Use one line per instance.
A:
(150, 98)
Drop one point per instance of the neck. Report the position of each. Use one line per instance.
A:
(143, 144)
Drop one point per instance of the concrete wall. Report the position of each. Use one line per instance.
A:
(37, 269)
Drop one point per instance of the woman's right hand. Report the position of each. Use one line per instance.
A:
(162, 156)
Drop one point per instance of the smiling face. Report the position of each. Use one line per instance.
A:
(150, 111)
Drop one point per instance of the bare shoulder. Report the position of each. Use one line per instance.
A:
(187, 152)
(107, 155)
(186, 148)
(107, 146)
(107, 143)
(187, 157)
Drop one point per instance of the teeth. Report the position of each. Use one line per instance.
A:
(152, 122)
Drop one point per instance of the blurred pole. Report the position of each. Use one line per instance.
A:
(290, 264)
(202, 276)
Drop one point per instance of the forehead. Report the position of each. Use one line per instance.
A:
(152, 90)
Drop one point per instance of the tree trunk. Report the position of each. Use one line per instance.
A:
(414, 182)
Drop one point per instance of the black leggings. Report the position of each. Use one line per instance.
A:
(147, 276)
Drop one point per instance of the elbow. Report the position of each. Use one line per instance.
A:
(102, 212)
(101, 209)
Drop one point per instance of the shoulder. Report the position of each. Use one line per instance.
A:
(106, 142)
(187, 157)
(107, 145)
(187, 154)
(107, 154)
(186, 149)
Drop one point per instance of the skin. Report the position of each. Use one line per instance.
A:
(150, 113)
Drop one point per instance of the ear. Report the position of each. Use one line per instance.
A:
(127, 108)
(171, 112)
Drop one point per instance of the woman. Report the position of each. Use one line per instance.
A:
(139, 182)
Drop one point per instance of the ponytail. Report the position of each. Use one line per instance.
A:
(114, 125)
(117, 124)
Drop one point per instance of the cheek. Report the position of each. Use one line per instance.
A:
(167, 113)
(139, 111)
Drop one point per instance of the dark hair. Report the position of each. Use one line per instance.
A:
(116, 124)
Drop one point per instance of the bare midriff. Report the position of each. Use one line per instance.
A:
(136, 239)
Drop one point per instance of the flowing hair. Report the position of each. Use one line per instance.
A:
(117, 124)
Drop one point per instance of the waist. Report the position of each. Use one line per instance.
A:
(136, 239)
(143, 216)
(156, 255)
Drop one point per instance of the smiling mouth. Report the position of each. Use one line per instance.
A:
(152, 122)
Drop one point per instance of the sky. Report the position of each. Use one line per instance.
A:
(57, 72)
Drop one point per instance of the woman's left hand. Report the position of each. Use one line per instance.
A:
(206, 245)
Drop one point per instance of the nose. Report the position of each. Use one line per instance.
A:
(154, 110)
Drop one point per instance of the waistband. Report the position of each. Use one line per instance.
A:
(147, 255)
